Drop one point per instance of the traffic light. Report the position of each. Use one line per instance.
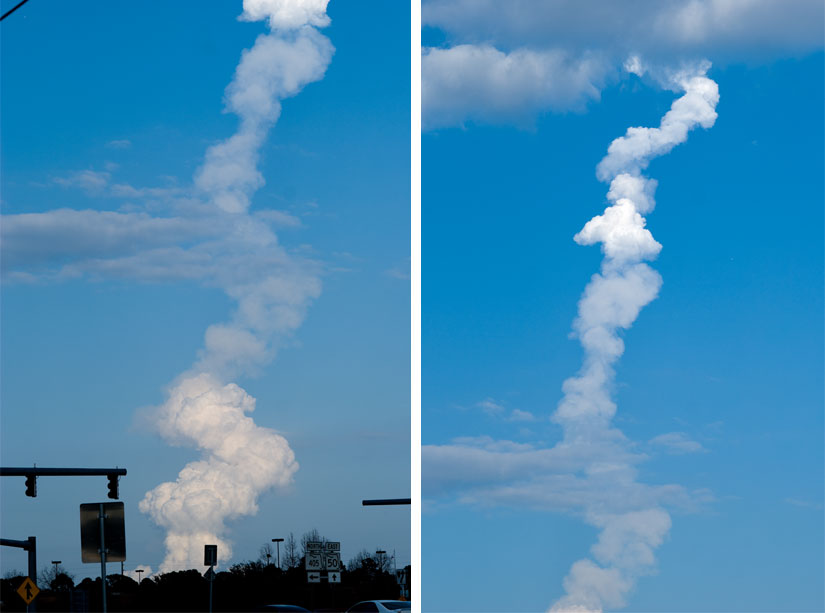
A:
(31, 486)
(113, 486)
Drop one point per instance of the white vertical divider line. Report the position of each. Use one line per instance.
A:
(415, 302)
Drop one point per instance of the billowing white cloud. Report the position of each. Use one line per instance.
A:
(240, 460)
(287, 14)
(274, 68)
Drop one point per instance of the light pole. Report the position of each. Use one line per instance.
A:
(278, 547)
(56, 564)
(139, 571)
(380, 553)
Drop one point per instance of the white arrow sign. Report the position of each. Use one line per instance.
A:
(334, 577)
(314, 577)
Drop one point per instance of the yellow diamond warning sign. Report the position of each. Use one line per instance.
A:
(28, 590)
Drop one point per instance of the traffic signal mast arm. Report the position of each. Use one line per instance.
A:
(33, 472)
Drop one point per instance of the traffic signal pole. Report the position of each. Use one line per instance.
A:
(29, 545)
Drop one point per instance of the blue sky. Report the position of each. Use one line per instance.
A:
(720, 385)
(102, 104)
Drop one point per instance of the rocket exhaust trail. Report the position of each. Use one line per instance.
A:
(629, 531)
(240, 460)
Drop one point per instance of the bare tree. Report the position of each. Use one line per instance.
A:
(359, 559)
(53, 575)
(291, 557)
(265, 554)
(384, 562)
(312, 535)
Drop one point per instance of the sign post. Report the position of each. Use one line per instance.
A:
(210, 559)
(102, 536)
(101, 517)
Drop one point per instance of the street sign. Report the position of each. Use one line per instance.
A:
(114, 531)
(401, 576)
(334, 577)
(209, 575)
(332, 561)
(28, 590)
(210, 555)
(314, 546)
(314, 561)
(314, 577)
(330, 546)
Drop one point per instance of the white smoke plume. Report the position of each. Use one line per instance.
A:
(240, 460)
(611, 302)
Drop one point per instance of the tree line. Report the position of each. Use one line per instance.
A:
(244, 586)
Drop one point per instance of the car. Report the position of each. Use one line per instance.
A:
(380, 606)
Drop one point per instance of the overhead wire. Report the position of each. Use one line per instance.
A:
(9, 12)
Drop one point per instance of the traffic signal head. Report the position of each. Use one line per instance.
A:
(31, 486)
(113, 486)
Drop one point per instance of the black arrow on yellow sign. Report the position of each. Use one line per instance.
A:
(28, 590)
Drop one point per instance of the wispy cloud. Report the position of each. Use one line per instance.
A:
(122, 143)
(511, 61)
(805, 504)
(494, 408)
(479, 82)
(400, 271)
(91, 181)
(677, 443)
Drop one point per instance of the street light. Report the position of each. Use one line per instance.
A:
(139, 571)
(278, 547)
(379, 553)
(56, 564)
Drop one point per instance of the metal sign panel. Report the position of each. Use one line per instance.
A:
(332, 546)
(334, 577)
(332, 561)
(314, 561)
(114, 532)
(401, 576)
(314, 546)
(314, 577)
(209, 575)
(210, 555)
(28, 590)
